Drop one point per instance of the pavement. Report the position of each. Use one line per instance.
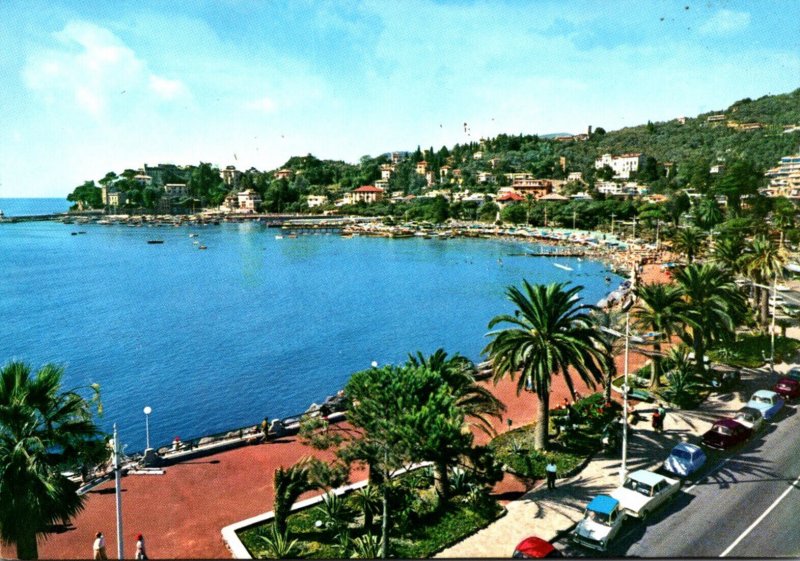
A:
(551, 514)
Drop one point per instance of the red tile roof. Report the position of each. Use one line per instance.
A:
(368, 189)
(510, 197)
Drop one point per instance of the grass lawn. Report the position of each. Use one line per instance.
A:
(747, 350)
(423, 538)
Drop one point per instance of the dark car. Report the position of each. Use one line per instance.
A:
(787, 388)
(725, 380)
(535, 548)
(726, 433)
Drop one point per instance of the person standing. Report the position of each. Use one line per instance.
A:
(99, 546)
(656, 421)
(265, 428)
(550, 470)
(140, 552)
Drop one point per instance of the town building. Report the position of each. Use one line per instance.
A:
(367, 194)
(162, 174)
(536, 188)
(175, 190)
(785, 177)
(422, 167)
(283, 173)
(508, 198)
(230, 176)
(316, 200)
(386, 171)
(623, 165)
(249, 200)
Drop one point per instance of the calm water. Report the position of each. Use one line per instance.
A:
(28, 207)
(253, 326)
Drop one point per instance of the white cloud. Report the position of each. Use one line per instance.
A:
(264, 104)
(725, 22)
(166, 88)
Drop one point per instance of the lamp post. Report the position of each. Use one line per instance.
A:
(147, 411)
(117, 470)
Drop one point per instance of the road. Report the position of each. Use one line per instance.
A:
(744, 504)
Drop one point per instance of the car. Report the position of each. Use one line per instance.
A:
(726, 433)
(787, 388)
(725, 380)
(685, 459)
(601, 521)
(535, 548)
(792, 310)
(794, 373)
(749, 417)
(766, 401)
(644, 491)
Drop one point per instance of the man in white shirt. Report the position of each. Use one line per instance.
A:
(550, 469)
(99, 546)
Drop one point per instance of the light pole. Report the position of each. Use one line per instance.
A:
(612, 223)
(117, 470)
(147, 411)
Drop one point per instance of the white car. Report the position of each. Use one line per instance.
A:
(644, 491)
(749, 417)
(601, 522)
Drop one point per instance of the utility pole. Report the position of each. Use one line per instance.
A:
(573, 219)
(612, 223)
(118, 493)
(634, 227)
(772, 326)
(623, 471)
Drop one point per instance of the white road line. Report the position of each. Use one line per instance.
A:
(722, 463)
(760, 518)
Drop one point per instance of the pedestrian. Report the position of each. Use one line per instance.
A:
(265, 428)
(140, 552)
(99, 546)
(656, 421)
(550, 469)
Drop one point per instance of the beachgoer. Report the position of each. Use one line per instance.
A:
(140, 551)
(99, 546)
(265, 428)
(550, 470)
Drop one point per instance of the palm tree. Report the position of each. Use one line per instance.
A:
(610, 319)
(728, 252)
(289, 484)
(764, 261)
(689, 241)
(475, 401)
(550, 332)
(42, 432)
(368, 501)
(712, 305)
(658, 310)
(708, 214)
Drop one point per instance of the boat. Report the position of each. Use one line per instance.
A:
(278, 237)
(192, 235)
(560, 266)
(155, 241)
(203, 247)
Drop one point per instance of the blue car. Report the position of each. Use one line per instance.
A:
(766, 401)
(685, 459)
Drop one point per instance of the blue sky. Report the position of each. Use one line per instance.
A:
(90, 87)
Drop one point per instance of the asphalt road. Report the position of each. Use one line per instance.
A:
(744, 504)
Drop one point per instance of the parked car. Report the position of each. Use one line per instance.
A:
(644, 491)
(794, 373)
(726, 433)
(685, 459)
(535, 548)
(749, 417)
(766, 401)
(725, 380)
(601, 522)
(787, 388)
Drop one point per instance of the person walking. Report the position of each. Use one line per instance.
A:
(140, 552)
(99, 546)
(550, 470)
(656, 422)
(265, 428)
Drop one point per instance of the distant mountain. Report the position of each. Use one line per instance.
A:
(552, 135)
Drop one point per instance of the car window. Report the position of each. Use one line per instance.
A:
(598, 517)
(682, 454)
(721, 429)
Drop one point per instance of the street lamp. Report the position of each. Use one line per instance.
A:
(147, 411)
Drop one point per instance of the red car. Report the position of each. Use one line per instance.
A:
(726, 433)
(535, 548)
(787, 388)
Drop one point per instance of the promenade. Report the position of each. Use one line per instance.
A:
(182, 511)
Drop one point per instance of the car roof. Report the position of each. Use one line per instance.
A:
(765, 393)
(534, 547)
(603, 504)
(750, 410)
(728, 423)
(687, 447)
(788, 381)
(645, 476)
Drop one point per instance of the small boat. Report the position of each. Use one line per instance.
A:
(203, 247)
(155, 241)
(560, 266)
(73, 233)
(192, 235)
(278, 237)
(195, 242)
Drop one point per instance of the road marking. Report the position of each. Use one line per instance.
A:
(719, 467)
(760, 518)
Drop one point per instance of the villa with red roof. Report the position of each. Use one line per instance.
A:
(367, 193)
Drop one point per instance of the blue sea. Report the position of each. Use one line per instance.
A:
(32, 207)
(253, 326)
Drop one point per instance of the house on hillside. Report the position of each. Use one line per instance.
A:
(316, 200)
(508, 198)
(368, 194)
(623, 165)
(249, 200)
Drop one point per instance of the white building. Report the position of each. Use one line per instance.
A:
(622, 165)
(249, 200)
(316, 200)
(176, 190)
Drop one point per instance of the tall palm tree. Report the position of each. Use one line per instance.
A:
(764, 262)
(689, 241)
(475, 401)
(289, 484)
(708, 214)
(658, 310)
(728, 252)
(610, 319)
(712, 306)
(42, 432)
(549, 333)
